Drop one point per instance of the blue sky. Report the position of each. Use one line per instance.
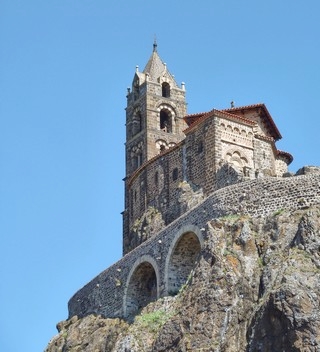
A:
(64, 69)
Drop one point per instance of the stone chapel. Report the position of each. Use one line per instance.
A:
(174, 160)
(182, 173)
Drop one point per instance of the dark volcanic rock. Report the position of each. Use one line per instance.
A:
(256, 287)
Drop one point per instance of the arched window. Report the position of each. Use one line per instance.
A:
(137, 123)
(136, 156)
(139, 159)
(156, 178)
(166, 90)
(235, 158)
(165, 121)
(175, 174)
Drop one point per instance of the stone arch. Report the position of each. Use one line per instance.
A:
(237, 158)
(161, 145)
(165, 121)
(142, 286)
(181, 258)
(166, 118)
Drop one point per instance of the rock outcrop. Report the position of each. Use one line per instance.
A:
(255, 287)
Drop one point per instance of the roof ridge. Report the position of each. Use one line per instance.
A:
(245, 107)
(221, 112)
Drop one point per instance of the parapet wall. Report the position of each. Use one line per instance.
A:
(108, 293)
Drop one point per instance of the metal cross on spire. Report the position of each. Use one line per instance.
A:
(155, 44)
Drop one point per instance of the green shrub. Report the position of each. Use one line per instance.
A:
(153, 321)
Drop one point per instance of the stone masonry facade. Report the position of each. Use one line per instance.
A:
(165, 148)
(182, 171)
(150, 271)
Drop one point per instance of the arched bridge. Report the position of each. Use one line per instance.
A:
(162, 264)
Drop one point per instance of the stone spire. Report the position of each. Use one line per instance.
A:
(156, 68)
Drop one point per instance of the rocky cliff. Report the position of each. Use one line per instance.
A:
(255, 287)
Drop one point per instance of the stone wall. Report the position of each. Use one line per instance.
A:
(199, 159)
(155, 186)
(116, 291)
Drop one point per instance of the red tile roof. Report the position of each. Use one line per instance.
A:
(234, 113)
(267, 117)
(198, 118)
(264, 138)
(286, 155)
(190, 119)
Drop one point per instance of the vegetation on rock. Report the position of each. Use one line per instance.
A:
(255, 288)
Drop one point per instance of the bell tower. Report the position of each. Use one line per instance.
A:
(155, 109)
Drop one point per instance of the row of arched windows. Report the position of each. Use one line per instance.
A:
(165, 122)
(175, 175)
(163, 145)
(236, 130)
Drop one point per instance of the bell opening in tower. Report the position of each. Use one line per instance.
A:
(165, 122)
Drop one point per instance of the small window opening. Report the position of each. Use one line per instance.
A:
(139, 159)
(166, 90)
(165, 122)
(200, 147)
(156, 178)
(137, 123)
(136, 161)
(162, 148)
(175, 174)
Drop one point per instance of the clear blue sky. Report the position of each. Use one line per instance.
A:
(64, 69)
